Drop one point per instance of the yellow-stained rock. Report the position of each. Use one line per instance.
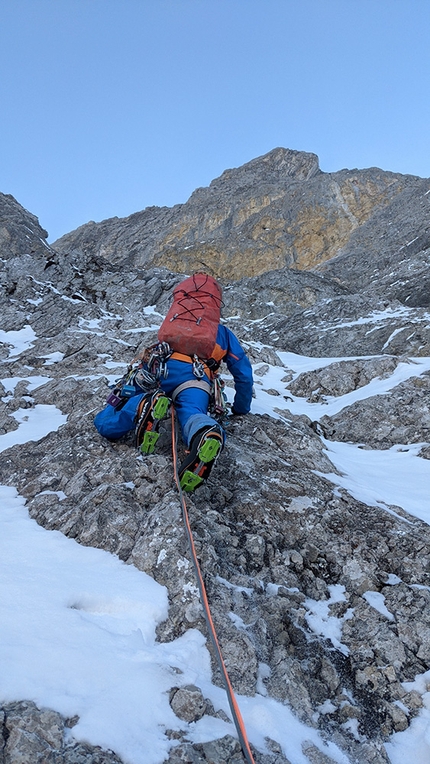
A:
(278, 210)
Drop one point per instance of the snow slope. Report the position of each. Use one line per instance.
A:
(78, 626)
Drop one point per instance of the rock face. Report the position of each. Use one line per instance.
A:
(276, 538)
(389, 254)
(355, 244)
(37, 735)
(20, 231)
(342, 377)
(275, 211)
(402, 417)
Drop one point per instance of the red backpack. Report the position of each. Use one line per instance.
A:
(191, 324)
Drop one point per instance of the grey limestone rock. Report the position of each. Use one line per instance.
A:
(188, 703)
(35, 735)
(327, 253)
(277, 210)
(20, 231)
(353, 325)
(389, 254)
(272, 532)
(342, 377)
(382, 421)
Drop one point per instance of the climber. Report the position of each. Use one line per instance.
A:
(168, 374)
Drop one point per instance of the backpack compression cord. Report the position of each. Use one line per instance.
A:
(237, 716)
(191, 324)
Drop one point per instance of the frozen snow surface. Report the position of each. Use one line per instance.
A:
(78, 636)
(19, 340)
(34, 424)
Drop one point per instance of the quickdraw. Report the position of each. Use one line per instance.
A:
(198, 368)
(218, 406)
(144, 373)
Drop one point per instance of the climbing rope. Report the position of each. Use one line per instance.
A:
(237, 716)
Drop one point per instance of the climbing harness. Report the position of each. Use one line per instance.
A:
(218, 405)
(199, 383)
(236, 714)
(142, 373)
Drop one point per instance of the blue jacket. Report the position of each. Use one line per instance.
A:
(229, 349)
(191, 404)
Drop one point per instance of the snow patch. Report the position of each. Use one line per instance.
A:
(322, 623)
(34, 425)
(377, 601)
(18, 340)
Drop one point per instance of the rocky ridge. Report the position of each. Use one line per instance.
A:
(321, 261)
(275, 211)
(274, 535)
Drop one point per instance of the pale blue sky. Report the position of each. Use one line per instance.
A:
(110, 106)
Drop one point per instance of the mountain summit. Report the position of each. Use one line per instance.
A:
(277, 210)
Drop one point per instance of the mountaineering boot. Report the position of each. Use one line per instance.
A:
(151, 410)
(205, 448)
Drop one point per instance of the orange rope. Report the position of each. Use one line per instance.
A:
(237, 716)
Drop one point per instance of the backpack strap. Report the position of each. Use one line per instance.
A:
(189, 359)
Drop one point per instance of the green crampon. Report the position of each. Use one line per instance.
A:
(207, 453)
(209, 450)
(149, 441)
(161, 408)
(189, 481)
